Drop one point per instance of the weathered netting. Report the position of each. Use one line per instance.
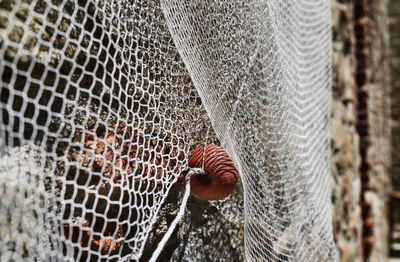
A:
(102, 101)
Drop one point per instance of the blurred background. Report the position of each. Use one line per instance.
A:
(366, 129)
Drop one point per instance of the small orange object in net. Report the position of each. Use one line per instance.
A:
(220, 176)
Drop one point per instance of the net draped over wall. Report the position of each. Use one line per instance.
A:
(102, 101)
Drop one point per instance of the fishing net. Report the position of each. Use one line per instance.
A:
(102, 101)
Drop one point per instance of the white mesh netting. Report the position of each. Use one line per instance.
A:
(102, 101)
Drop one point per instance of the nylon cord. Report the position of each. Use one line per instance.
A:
(178, 217)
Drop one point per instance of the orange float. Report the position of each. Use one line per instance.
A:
(220, 177)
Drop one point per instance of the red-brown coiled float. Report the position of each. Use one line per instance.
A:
(221, 174)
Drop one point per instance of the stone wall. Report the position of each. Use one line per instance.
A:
(345, 139)
(360, 129)
(394, 15)
(373, 110)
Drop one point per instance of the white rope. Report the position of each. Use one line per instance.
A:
(179, 216)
